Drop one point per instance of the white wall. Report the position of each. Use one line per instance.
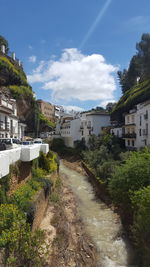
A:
(117, 131)
(23, 153)
(142, 124)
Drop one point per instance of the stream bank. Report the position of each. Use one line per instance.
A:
(101, 222)
(69, 245)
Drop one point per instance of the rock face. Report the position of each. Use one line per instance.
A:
(13, 84)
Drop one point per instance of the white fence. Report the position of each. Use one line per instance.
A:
(23, 153)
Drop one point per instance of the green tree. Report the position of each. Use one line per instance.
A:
(131, 176)
(141, 222)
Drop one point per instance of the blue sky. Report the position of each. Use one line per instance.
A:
(71, 49)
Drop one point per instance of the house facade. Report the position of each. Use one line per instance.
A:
(9, 124)
(47, 109)
(76, 128)
(136, 129)
(8, 118)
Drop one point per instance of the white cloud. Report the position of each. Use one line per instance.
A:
(76, 76)
(72, 108)
(32, 59)
(105, 102)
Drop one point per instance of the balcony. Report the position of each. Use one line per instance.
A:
(4, 126)
(6, 105)
(129, 135)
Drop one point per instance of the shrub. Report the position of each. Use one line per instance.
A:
(19, 246)
(141, 222)
(130, 177)
(44, 162)
(23, 196)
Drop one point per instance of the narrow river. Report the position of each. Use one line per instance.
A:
(102, 224)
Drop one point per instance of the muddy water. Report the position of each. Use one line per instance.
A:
(102, 224)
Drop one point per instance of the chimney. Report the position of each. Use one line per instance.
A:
(3, 49)
(14, 56)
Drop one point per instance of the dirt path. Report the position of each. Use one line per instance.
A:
(68, 243)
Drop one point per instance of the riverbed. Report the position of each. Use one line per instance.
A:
(102, 224)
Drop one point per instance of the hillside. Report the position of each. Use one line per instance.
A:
(132, 97)
(14, 84)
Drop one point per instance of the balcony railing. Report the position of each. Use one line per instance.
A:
(4, 126)
(129, 135)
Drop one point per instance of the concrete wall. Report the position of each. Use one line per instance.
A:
(23, 153)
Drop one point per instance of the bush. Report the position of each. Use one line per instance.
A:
(131, 176)
(4, 187)
(19, 246)
(23, 196)
(141, 222)
(58, 145)
(48, 162)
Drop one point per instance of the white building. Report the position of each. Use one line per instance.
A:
(9, 126)
(59, 110)
(93, 123)
(73, 129)
(137, 126)
(143, 124)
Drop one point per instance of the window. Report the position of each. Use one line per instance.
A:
(128, 119)
(132, 142)
(140, 120)
(132, 118)
(128, 142)
(140, 132)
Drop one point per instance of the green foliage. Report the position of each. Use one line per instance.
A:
(44, 162)
(141, 222)
(133, 175)
(11, 74)
(132, 97)
(48, 162)
(58, 145)
(21, 91)
(23, 195)
(19, 246)
(139, 66)
(4, 187)
(54, 197)
(43, 119)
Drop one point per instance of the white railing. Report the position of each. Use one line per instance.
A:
(23, 153)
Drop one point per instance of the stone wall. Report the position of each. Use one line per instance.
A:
(40, 205)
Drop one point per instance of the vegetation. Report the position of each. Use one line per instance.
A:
(139, 93)
(19, 246)
(44, 120)
(135, 81)
(11, 74)
(126, 175)
(139, 66)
